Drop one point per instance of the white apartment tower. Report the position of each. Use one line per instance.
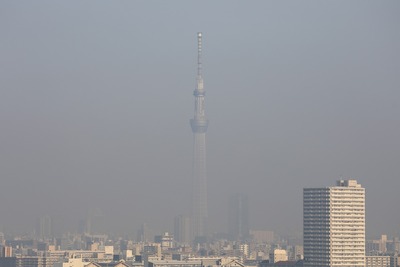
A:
(334, 225)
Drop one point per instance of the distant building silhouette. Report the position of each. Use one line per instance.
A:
(144, 234)
(95, 222)
(238, 217)
(45, 227)
(182, 229)
(262, 236)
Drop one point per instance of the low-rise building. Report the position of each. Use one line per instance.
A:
(377, 261)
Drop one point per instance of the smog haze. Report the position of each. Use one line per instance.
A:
(96, 98)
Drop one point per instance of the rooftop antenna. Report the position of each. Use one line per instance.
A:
(199, 44)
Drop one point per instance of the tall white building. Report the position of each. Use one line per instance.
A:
(334, 225)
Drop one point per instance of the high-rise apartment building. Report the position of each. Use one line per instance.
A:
(334, 225)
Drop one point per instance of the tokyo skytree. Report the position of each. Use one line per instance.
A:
(199, 128)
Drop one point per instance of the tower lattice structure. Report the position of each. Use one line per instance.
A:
(199, 126)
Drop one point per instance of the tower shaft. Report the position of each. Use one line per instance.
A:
(199, 126)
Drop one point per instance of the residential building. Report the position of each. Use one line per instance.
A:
(334, 225)
(377, 261)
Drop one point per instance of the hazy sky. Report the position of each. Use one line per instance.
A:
(96, 98)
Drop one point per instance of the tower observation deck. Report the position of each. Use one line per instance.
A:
(199, 126)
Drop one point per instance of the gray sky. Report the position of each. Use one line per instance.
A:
(96, 97)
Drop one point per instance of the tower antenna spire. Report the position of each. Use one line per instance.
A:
(199, 48)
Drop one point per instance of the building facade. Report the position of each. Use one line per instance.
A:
(377, 261)
(278, 255)
(334, 225)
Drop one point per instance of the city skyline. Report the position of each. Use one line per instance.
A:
(95, 101)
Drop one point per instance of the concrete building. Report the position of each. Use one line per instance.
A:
(245, 250)
(6, 251)
(109, 264)
(377, 261)
(298, 253)
(198, 262)
(166, 240)
(72, 262)
(174, 263)
(278, 255)
(334, 225)
(28, 261)
(153, 249)
(8, 262)
(382, 246)
(395, 260)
